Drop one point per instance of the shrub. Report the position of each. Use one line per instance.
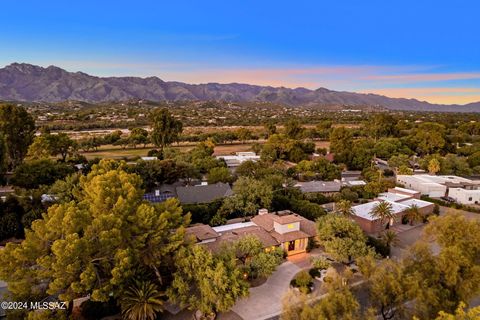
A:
(379, 246)
(303, 281)
(320, 263)
(436, 209)
(314, 272)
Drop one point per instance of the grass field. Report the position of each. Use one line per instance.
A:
(117, 152)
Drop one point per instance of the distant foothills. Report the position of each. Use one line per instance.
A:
(26, 82)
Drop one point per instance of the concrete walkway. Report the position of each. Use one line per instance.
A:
(265, 301)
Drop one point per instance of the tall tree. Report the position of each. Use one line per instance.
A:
(384, 212)
(94, 244)
(342, 238)
(413, 214)
(3, 158)
(293, 129)
(206, 282)
(18, 129)
(166, 129)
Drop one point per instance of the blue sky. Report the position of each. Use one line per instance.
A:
(429, 50)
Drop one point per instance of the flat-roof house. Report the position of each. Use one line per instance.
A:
(400, 204)
(281, 229)
(233, 161)
(464, 196)
(436, 186)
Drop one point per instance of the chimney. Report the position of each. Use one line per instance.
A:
(262, 211)
(157, 193)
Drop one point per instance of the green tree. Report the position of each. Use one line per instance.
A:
(18, 129)
(270, 128)
(166, 129)
(244, 134)
(219, 174)
(94, 244)
(256, 261)
(381, 125)
(460, 314)
(341, 144)
(249, 195)
(433, 166)
(413, 214)
(389, 290)
(53, 145)
(3, 158)
(293, 129)
(341, 237)
(344, 207)
(206, 282)
(141, 301)
(339, 303)
(441, 280)
(384, 212)
(34, 173)
(390, 238)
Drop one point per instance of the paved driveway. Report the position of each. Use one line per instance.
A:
(265, 301)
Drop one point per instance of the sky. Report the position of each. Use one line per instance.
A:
(422, 49)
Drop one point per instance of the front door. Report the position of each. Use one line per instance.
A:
(291, 245)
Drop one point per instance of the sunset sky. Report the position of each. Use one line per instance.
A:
(428, 50)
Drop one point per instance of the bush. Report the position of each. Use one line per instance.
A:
(436, 209)
(379, 246)
(92, 310)
(404, 220)
(303, 281)
(314, 272)
(320, 263)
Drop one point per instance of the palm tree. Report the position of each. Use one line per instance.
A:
(141, 301)
(390, 238)
(344, 207)
(413, 214)
(384, 212)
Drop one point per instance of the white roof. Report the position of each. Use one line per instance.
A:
(418, 203)
(392, 196)
(405, 190)
(364, 210)
(356, 183)
(233, 226)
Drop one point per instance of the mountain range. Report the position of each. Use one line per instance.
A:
(27, 82)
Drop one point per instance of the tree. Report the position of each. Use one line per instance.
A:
(206, 282)
(34, 173)
(293, 129)
(384, 212)
(338, 303)
(249, 195)
(341, 237)
(433, 166)
(18, 129)
(341, 144)
(48, 145)
(270, 128)
(3, 158)
(389, 290)
(244, 134)
(460, 314)
(413, 214)
(219, 174)
(138, 136)
(101, 238)
(390, 238)
(344, 207)
(441, 280)
(141, 301)
(166, 129)
(381, 125)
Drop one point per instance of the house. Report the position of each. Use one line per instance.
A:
(162, 193)
(324, 187)
(351, 175)
(283, 229)
(233, 161)
(203, 193)
(400, 203)
(436, 186)
(464, 196)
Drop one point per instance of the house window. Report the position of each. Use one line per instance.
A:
(291, 245)
(470, 199)
(290, 226)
